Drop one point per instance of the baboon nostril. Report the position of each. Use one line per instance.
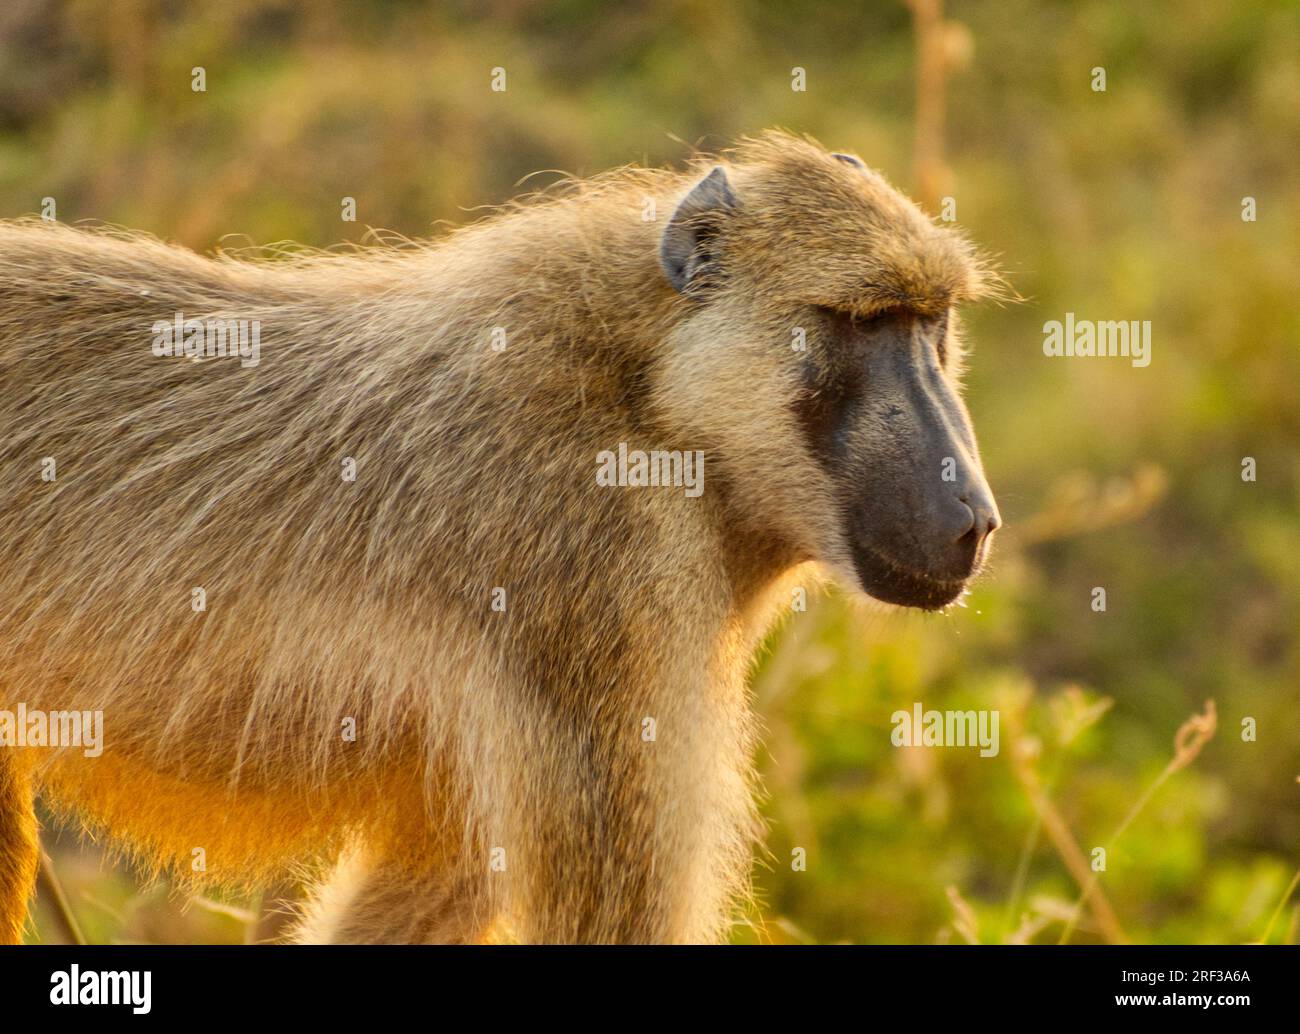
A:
(984, 517)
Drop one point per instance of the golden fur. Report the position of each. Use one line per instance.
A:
(371, 599)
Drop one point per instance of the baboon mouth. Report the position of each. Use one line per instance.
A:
(886, 580)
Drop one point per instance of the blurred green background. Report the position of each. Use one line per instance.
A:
(1122, 204)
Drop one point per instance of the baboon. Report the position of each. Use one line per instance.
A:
(367, 602)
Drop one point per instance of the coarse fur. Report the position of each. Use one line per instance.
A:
(500, 769)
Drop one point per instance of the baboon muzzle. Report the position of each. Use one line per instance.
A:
(922, 513)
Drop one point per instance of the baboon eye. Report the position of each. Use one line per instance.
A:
(864, 322)
(854, 320)
(858, 321)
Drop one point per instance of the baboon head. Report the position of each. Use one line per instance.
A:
(817, 356)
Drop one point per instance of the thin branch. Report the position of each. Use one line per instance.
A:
(931, 75)
(1295, 881)
(1191, 736)
(1058, 832)
(47, 882)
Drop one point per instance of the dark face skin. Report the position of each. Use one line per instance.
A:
(883, 417)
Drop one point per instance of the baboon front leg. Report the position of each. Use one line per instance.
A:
(19, 848)
(621, 845)
(377, 902)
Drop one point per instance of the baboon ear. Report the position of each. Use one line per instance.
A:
(848, 159)
(686, 250)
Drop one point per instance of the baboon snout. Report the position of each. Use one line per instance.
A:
(917, 538)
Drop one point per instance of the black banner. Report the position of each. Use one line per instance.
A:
(1226, 984)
